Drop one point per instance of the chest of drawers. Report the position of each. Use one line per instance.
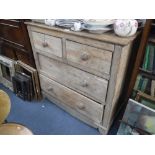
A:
(80, 72)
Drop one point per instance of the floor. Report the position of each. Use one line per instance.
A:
(45, 118)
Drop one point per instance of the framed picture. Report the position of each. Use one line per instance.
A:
(137, 119)
(7, 71)
(22, 67)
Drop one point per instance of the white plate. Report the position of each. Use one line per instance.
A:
(99, 30)
(100, 22)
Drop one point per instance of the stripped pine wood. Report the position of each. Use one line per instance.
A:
(83, 73)
(47, 43)
(72, 99)
(109, 37)
(83, 82)
(89, 57)
(118, 72)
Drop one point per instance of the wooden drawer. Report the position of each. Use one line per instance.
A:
(92, 59)
(11, 30)
(46, 43)
(72, 99)
(83, 82)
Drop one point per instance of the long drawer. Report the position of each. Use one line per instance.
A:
(47, 43)
(83, 82)
(91, 58)
(72, 99)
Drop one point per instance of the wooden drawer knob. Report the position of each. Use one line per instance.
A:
(84, 56)
(50, 89)
(45, 44)
(81, 106)
(85, 84)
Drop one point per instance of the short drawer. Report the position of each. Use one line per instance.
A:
(81, 81)
(72, 99)
(46, 43)
(92, 59)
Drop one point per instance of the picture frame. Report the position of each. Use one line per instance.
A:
(22, 67)
(6, 62)
(139, 117)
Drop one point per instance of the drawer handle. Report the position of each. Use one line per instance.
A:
(45, 44)
(84, 56)
(85, 84)
(50, 89)
(81, 106)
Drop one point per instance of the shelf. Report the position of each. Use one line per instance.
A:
(146, 96)
(152, 40)
(147, 74)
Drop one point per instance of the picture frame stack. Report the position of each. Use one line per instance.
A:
(29, 71)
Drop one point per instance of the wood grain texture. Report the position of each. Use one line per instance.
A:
(16, 44)
(83, 40)
(91, 70)
(32, 44)
(47, 43)
(91, 58)
(72, 99)
(71, 111)
(106, 37)
(124, 61)
(112, 85)
(84, 83)
(124, 58)
(123, 55)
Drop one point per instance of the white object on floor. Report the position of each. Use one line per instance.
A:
(43, 106)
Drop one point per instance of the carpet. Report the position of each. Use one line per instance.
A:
(46, 118)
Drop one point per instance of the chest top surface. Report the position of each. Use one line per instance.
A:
(107, 37)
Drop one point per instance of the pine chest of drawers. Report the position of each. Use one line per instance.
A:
(82, 73)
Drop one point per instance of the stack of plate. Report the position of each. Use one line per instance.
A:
(67, 23)
(98, 26)
(92, 25)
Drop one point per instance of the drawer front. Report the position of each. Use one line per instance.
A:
(46, 43)
(72, 99)
(83, 82)
(12, 31)
(91, 58)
